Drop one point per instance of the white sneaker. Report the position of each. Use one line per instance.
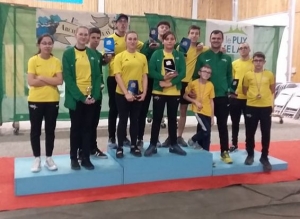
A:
(49, 163)
(36, 167)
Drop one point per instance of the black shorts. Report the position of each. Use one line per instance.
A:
(182, 92)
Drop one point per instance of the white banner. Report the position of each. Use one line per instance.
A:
(235, 33)
(62, 25)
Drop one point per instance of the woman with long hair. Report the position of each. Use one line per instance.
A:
(130, 70)
(44, 74)
(83, 81)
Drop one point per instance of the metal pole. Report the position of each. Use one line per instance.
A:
(235, 10)
(195, 9)
(101, 6)
(291, 28)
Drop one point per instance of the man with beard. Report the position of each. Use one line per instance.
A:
(221, 78)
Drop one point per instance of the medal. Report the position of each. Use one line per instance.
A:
(258, 96)
(258, 85)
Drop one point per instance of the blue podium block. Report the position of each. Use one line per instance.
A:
(164, 165)
(238, 166)
(107, 172)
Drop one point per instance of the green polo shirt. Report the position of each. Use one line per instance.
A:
(221, 66)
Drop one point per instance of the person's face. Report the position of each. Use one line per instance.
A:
(131, 40)
(82, 36)
(162, 29)
(216, 41)
(95, 40)
(244, 50)
(258, 63)
(122, 25)
(169, 42)
(205, 73)
(194, 35)
(46, 45)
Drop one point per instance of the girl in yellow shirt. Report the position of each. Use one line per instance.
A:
(44, 74)
(130, 70)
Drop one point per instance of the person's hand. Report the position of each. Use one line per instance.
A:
(141, 97)
(223, 50)
(102, 87)
(232, 95)
(39, 77)
(199, 105)
(89, 101)
(107, 58)
(170, 75)
(165, 84)
(199, 47)
(153, 45)
(192, 94)
(129, 97)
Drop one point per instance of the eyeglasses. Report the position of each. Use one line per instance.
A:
(241, 48)
(258, 60)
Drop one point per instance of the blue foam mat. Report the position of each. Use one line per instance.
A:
(107, 172)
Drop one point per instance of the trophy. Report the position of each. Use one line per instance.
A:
(133, 87)
(169, 65)
(153, 36)
(184, 45)
(234, 85)
(89, 92)
(109, 46)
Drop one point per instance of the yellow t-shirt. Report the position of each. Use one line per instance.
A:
(259, 82)
(120, 46)
(239, 69)
(83, 71)
(48, 68)
(131, 66)
(169, 91)
(191, 59)
(204, 94)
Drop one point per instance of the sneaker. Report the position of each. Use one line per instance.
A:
(181, 142)
(112, 143)
(126, 142)
(233, 148)
(36, 166)
(194, 144)
(135, 151)
(75, 164)
(166, 144)
(226, 158)
(87, 164)
(50, 165)
(249, 160)
(99, 154)
(140, 144)
(152, 149)
(267, 167)
(119, 152)
(176, 149)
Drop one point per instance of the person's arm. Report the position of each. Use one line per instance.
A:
(198, 65)
(70, 81)
(33, 81)
(245, 85)
(212, 105)
(272, 83)
(186, 96)
(139, 45)
(153, 73)
(144, 80)
(181, 70)
(120, 83)
(57, 79)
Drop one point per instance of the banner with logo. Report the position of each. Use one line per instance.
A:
(235, 33)
(63, 24)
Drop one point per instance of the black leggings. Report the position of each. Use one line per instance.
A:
(159, 102)
(127, 109)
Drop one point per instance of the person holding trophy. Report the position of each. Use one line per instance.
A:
(82, 78)
(130, 70)
(113, 45)
(167, 68)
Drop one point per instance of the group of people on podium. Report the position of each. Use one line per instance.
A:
(201, 76)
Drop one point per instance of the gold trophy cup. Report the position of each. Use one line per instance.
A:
(89, 92)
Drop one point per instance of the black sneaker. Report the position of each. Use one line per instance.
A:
(126, 142)
(176, 149)
(150, 150)
(140, 144)
(267, 167)
(249, 160)
(75, 165)
(233, 148)
(181, 142)
(112, 143)
(99, 154)
(87, 164)
(119, 152)
(135, 151)
(166, 144)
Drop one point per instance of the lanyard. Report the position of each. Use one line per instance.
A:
(258, 85)
(202, 91)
